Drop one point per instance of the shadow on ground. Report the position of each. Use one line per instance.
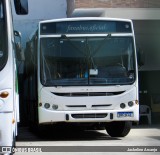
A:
(59, 134)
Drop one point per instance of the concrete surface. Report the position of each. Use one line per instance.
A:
(140, 137)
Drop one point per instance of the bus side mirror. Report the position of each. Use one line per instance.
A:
(140, 57)
(18, 45)
(21, 7)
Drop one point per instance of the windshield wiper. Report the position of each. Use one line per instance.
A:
(89, 56)
(63, 36)
(102, 43)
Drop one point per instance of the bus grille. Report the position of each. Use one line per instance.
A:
(78, 94)
(94, 115)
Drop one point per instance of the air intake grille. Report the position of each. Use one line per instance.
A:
(95, 115)
(88, 94)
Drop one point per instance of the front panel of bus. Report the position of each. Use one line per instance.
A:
(87, 71)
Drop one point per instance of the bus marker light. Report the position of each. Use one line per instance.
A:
(137, 102)
(4, 94)
(13, 121)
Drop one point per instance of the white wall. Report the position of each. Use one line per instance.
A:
(38, 10)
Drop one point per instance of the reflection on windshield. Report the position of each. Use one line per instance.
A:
(87, 61)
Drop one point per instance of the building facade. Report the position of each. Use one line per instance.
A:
(117, 4)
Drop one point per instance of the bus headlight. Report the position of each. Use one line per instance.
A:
(55, 107)
(1, 104)
(47, 105)
(122, 105)
(130, 104)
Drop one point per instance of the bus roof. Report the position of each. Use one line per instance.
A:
(85, 19)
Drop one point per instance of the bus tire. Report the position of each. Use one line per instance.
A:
(118, 129)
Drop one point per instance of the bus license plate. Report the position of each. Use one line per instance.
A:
(125, 114)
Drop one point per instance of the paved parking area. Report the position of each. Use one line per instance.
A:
(141, 140)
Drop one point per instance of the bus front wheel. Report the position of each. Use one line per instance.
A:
(118, 129)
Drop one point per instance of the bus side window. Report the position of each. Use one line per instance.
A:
(3, 53)
(1, 28)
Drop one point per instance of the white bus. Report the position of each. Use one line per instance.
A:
(84, 70)
(9, 102)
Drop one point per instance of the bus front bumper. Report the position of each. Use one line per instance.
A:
(48, 116)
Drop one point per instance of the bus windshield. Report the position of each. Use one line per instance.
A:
(3, 51)
(93, 60)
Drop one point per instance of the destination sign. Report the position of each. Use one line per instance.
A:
(85, 27)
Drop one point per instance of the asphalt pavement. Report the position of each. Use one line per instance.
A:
(142, 139)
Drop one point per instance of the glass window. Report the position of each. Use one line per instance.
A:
(3, 51)
(87, 61)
